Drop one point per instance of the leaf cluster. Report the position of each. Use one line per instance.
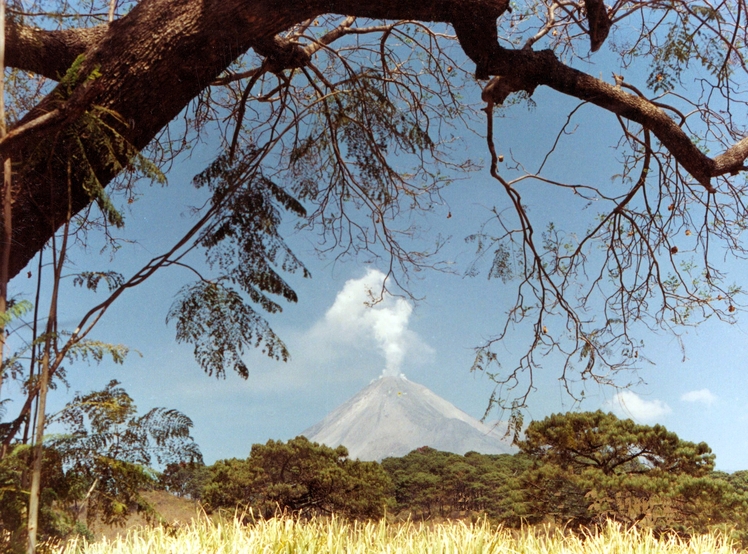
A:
(592, 467)
(687, 43)
(603, 442)
(245, 241)
(56, 489)
(92, 279)
(244, 245)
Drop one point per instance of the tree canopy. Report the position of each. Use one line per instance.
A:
(345, 112)
(429, 484)
(577, 470)
(611, 445)
(298, 477)
(592, 466)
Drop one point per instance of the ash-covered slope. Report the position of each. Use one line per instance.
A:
(393, 416)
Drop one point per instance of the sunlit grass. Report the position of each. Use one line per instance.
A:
(335, 536)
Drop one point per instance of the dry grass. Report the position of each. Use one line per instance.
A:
(333, 536)
(172, 509)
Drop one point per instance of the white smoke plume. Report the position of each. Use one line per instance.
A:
(361, 310)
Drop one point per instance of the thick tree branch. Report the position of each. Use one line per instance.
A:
(152, 62)
(524, 70)
(733, 159)
(599, 22)
(48, 53)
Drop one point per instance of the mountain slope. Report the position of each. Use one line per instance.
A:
(393, 416)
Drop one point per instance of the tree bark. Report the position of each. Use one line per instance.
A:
(159, 57)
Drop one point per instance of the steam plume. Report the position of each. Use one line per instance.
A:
(360, 310)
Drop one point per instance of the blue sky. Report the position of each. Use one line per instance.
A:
(338, 345)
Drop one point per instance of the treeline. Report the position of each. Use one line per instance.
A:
(575, 469)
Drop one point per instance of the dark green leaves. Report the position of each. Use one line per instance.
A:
(501, 268)
(220, 325)
(592, 466)
(611, 445)
(92, 279)
(301, 477)
(429, 483)
(243, 244)
(105, 423)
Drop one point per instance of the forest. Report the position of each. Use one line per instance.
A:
(578, 470)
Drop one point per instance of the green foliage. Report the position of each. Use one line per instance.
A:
(92, 148)
(11, 366)
(15, 310)
(591, 467)
(185, 479)
(244, 244)
(95, 351)
(578, 470)
(56, 489)
(217, 321)
(75, 77)
(230, 483)
(101, 465)
(109, 146)
(501, 268)
(613, 446)
(91, 138)
(108, 450)
(430, 483)
(300, 477)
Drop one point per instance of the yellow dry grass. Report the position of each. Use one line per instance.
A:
(334, 536)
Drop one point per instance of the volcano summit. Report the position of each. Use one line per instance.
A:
(393, 416)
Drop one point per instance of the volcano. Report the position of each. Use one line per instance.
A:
(393, 416)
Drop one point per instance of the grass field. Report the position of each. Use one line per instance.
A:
(334, 536)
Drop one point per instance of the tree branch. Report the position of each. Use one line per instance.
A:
(48, 53)
(524, 70)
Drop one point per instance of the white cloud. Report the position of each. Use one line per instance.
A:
(629, 404)
(364, 317)
(704, 396)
